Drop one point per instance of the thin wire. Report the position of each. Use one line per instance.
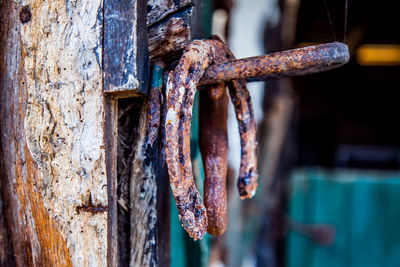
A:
(330, 21)
(345, 20)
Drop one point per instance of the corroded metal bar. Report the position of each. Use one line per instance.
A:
(213, 139)
(295, 62)
(240, 97)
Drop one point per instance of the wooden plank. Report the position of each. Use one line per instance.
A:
(58, 153)
(141, 189)
(143, 228)
(111, 142)
(169, 36)
(26, 214)
(160, 9)
(142, 194)
(125, 53)
(143, 198)
(52, 132)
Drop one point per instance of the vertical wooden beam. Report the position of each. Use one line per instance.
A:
(36, 237)
(51, 118)
(143, 197)
(111, 142)
(7, 10)
(125, 49)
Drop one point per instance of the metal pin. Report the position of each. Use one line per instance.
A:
(295, 62)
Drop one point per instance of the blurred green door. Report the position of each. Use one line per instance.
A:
(362, 206)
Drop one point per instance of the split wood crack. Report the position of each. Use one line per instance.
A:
(210, 62)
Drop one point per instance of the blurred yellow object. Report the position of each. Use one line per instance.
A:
(378, 55)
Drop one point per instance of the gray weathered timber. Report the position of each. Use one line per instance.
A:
(52, 146)
(125, 54)
(142, 194)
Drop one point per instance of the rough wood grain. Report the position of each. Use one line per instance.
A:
(141, 196)
(143, 199)
(160, 9)
(52, 132)
(170, 35)
(111, 143)
(53, 145)
(125, 53)
(171, 25)
(7, 31)
(6, 250)
(142, 187)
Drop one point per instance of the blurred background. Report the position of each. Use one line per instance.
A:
(329, 192)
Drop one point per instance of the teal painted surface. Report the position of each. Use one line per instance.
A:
(178, 249)
(157, 76)
(363, 206)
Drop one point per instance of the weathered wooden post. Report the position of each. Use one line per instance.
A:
(69, 71)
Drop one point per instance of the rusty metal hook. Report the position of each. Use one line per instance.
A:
(181, 86)
(213, 59)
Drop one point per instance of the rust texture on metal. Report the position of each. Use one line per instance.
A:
(214, 146)
(213, 139)
(248, 174)
(91, 208)
(240, 97)
(206, 62)
(181, 86)
(295, 62)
